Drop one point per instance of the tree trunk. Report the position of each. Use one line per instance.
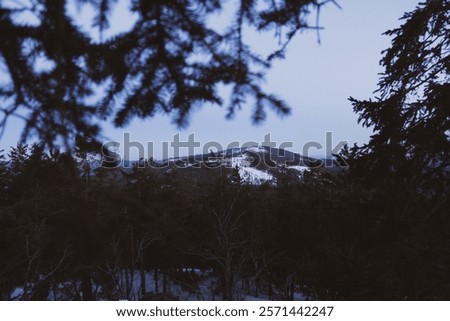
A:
(143, 284)
(155, 277)
(142, 274)
(164, 281)
(86, 287)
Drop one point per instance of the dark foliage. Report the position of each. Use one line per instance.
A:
(327, 235)
(64, 82)
(411, 116)
(405, 167)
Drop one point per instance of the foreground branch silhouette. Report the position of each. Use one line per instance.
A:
(64, 82)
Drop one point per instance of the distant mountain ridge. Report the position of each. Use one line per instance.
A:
(255, 164)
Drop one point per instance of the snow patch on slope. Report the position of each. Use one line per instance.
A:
(300, 168)
(249, 174)
(254, 176)
(257, 149)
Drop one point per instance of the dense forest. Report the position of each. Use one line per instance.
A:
(325, 235)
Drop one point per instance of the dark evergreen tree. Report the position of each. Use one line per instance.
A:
(411, 115)
(404, 169)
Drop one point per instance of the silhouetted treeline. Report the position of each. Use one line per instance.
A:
(327, 236)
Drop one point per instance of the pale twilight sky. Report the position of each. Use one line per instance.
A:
(315, 80)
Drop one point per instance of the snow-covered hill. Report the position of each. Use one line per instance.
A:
(255, 164)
